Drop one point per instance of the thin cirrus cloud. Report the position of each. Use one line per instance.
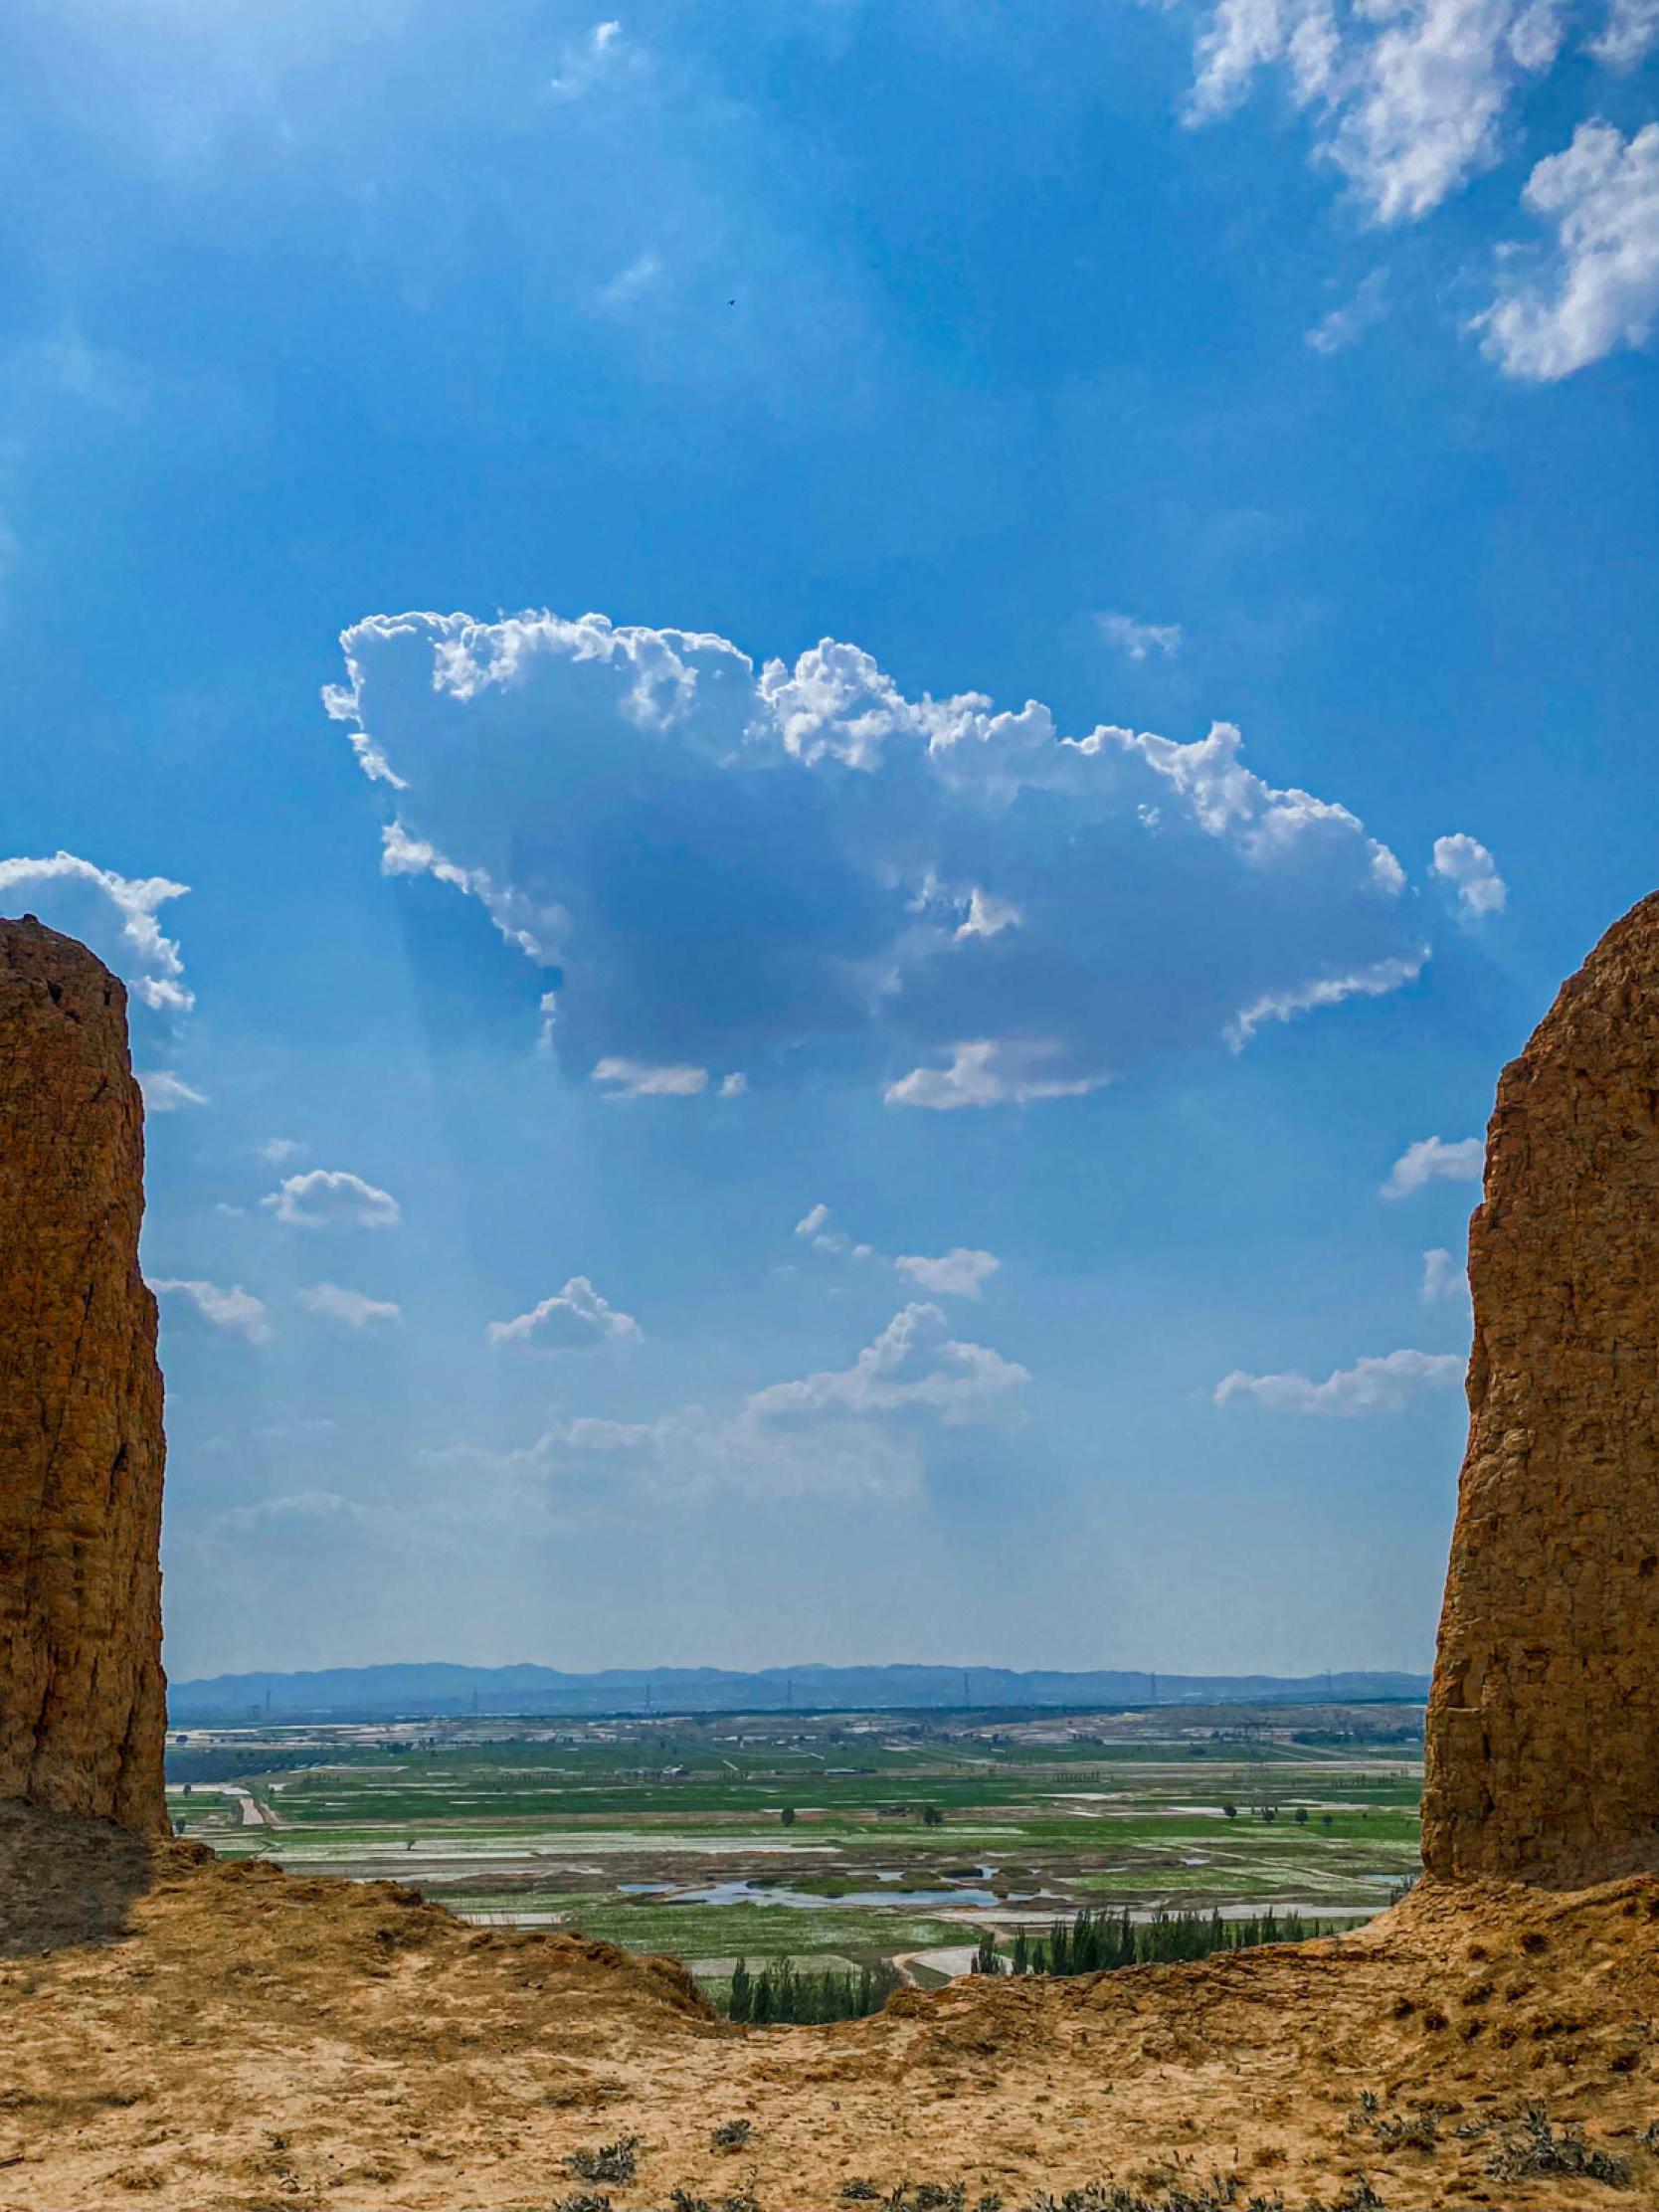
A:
(1433, 1160)
(1443, 1279)
(1348, 322)
(860, 1432)
(924, 894)
(351, 1308)
(1385, 1383)
(165, 1091)
(115, 915)
(333, 1198)
(1463, 863)
(1139, 639)
(235, 1310)
(575, 1319)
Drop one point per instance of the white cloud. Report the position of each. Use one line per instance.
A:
(1433, 1160)
(1382, 1384)
(988, 916)
(631, 282)
(331, 1197)
(1443, 1279)
(1408, 96)
(959, 1273)
(1375, 982)
(575, 1319)
(353, 1309)
(796, 869)
(855, 1433)
(988, 1073)
(164, 1093)
(114, 915)
(275, 1149)
(734, 1085)
(1598, 290)
(1347, 323)
(1628, 36)
(1138, 639)
(640, 1079)
(601, 57)
(235, 1309)
(1464, 863)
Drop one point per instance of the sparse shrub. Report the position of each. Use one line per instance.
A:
(860, 2192)
(1532, 2147)
(582, 2201)
(610, 2163)
(732, 2134)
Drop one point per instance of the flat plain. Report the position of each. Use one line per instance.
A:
(841, 1839)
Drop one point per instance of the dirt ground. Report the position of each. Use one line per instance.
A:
(196, 2033)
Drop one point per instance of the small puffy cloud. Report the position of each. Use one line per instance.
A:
(1409, 101)
(1628, 36)
(797, 869)
(1139, 638)
(352, 1309)
(1347, 323)
(954, 1274)
(1599, 288)
(601, 55)
(331, 1197)
(115, 915)
(1433, 1160)
(1443, 1279)
(236, 1310)
(639, 1079)
(988, 916)
(575, 1319)
(1384, 1384)
(164, 1093)
(987, 1073)
(1464, 863)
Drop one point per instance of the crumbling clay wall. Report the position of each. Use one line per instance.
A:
(82, 1695)
(1543, 1750)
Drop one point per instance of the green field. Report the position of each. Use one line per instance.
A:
(841, 1838)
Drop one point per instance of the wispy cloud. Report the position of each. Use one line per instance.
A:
(1139, 638)
(1379, 1384)
(236, 1310)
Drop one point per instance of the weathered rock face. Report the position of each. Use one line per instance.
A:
(82, 1695)
(1543, 1752)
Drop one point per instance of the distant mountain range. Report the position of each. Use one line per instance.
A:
(382, 1693)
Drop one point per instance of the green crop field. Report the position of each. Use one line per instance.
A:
(847, 1840)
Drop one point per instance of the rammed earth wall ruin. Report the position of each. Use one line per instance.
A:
(81, 1694)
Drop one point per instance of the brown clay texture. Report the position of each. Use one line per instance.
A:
(82, 1696)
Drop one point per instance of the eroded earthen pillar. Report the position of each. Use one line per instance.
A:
(1543, 1746)
(81, 1694)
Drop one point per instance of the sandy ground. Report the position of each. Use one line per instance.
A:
(198, 2033)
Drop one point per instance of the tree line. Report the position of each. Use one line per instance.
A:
(1100, 1941)
(781, 1993)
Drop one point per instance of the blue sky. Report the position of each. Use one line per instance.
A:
(1038, 650)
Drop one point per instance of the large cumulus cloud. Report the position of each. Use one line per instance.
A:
(796, 866)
